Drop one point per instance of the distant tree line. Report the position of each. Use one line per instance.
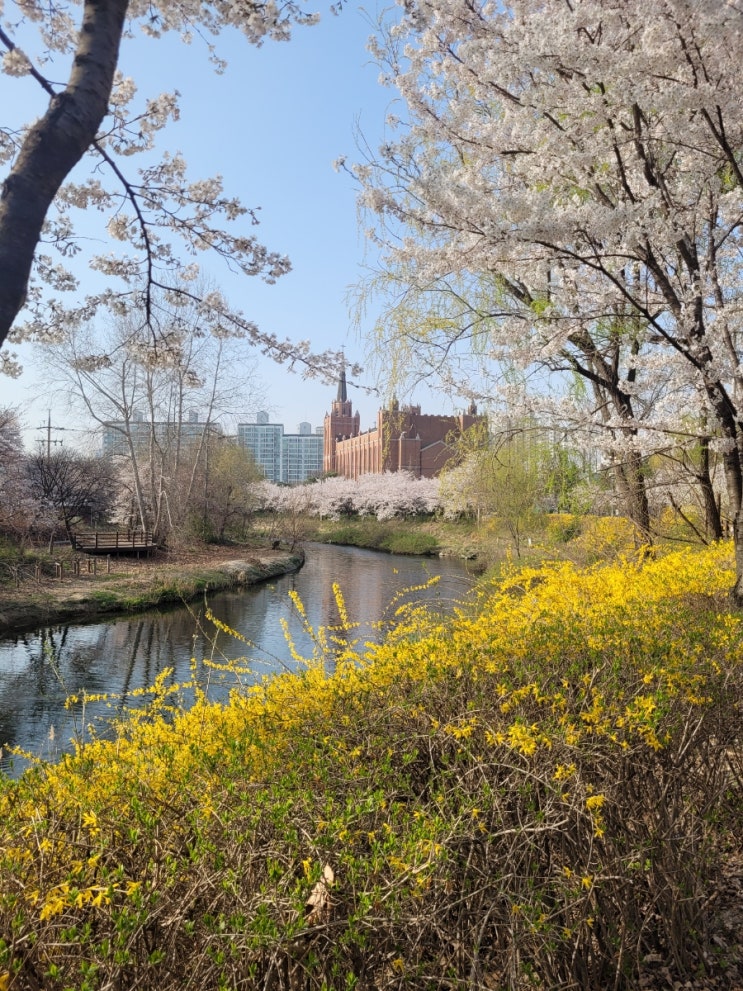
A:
(187, 482)
(204, 484)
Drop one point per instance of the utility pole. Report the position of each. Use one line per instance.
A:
(49, 440)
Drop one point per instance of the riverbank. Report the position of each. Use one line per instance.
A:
(137, 584)
(425, 536)
(134, 585)
(487, 544)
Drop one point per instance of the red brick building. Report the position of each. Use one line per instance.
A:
(404, 439)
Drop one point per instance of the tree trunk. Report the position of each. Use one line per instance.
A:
(138, 494)
(605, 381)
(52, 148)
(734, 482)
(631, 486)
(712, 521)
(737, 592)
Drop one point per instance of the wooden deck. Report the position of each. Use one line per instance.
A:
(115, 542)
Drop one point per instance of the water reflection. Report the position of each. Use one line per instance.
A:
(39, 670)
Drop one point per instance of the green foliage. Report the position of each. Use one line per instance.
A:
(104, 598)
(564, 476)
(388, 535)
(506, 476)
(410, 542)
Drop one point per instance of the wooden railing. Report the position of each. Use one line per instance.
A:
(113, 541)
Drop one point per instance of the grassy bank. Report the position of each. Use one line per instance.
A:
(551, 536)
(416, 536)
(540, 793)
(133, 586)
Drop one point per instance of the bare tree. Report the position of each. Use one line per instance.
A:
(225, 499)
(15, 497)
(158, 415)
(74, 487)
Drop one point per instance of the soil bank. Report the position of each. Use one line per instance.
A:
(132, 586)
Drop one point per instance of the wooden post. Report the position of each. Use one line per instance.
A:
(108, 564)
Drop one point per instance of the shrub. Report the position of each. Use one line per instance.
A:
(562, 527)
(533, 793)
(605, 538)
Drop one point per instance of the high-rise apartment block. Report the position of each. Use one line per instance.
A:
(288, 458)
(119, 436)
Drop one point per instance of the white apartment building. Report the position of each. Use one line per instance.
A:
(115, 433)
(289, 458)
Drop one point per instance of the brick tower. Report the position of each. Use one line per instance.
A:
(341, 422)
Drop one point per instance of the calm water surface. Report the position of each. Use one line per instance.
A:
(39, 670)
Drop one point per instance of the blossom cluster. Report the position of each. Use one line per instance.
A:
(384, 496)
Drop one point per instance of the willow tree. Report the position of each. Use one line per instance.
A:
(583, 159)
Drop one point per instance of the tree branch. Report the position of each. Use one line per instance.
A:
(52, 148)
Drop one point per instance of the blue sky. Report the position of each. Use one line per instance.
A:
(272, 125)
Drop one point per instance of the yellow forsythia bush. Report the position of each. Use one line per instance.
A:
(533, 793)
(605, 538)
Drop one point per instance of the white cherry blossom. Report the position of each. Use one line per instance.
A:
(160, 214)
(563, 199)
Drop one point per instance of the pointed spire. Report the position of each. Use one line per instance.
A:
(342, 391)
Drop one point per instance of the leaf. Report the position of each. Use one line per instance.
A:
(318, 905)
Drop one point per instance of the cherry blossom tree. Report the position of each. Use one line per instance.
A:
(16, 502)
(575, 166)
(160, 416)
(395, 494)
(384, 496)
(160, 216)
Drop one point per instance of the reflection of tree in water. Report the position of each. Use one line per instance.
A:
(39, 670)
(34, 689)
